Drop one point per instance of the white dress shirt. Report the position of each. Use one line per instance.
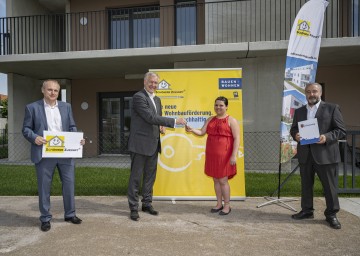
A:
(311, 111)
(152, 96)
(53, 117)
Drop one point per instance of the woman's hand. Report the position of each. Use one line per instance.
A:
(233, 160)
(188, 128)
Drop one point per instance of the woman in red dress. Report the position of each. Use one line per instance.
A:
(222, 145)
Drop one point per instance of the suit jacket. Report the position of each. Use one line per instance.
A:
(331, 125)
(35, 124)
(144, 136)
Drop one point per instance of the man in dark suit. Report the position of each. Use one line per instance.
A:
(49, 114)
(322, 157)
(144, 144)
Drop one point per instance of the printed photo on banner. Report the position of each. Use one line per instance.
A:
(63, 144)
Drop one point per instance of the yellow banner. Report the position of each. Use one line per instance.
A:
(191, 94)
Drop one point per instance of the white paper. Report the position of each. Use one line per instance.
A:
(309, 131)
(62, 145)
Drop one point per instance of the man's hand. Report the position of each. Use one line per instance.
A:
(162, 129)
(297, 137)
(322, 139)
(82, 142)
(40, 140)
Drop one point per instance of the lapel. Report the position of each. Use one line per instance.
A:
(42, 114)
(320, 109)
(158, 105)
(151, 104)
(62, 110)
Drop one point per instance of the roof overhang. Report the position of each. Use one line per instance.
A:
(120, 62)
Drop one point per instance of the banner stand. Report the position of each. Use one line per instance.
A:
(280, 201)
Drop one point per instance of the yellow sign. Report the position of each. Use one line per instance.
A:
(191, 94)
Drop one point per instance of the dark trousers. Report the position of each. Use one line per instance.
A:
(142, 167)
(327, 175)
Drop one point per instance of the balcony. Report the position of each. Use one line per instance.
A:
(187, 23)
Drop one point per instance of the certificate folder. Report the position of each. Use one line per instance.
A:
(309, 131)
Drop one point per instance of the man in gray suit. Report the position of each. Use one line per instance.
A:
(144, 144)
(322, 157)
(49, 114)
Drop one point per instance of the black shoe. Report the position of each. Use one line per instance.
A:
(149, 209)
(45, 226)
(214, 210)
(73, 220)
(303, 215)
(134, 215)
(334, 222)
(224, 213)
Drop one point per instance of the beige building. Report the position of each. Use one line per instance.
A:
(99, 51)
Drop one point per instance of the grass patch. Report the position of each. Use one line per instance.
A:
(94, 181)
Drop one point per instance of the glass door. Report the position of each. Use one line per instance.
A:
(115, 118)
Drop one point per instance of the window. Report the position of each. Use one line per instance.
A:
(186, 22)
(355, 17)
(135, 27)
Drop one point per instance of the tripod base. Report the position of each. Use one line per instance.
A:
(280, 202)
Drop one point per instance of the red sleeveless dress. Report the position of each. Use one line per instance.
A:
(219, 147)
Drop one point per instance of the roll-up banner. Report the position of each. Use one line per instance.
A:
(190, 94)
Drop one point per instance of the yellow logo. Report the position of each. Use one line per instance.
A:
(163, 85)
(303, 28)
(164, 91)
(55, 144)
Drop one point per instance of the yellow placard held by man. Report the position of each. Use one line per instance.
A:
(62, 145)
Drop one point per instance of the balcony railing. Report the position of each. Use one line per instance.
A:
(186, 23)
